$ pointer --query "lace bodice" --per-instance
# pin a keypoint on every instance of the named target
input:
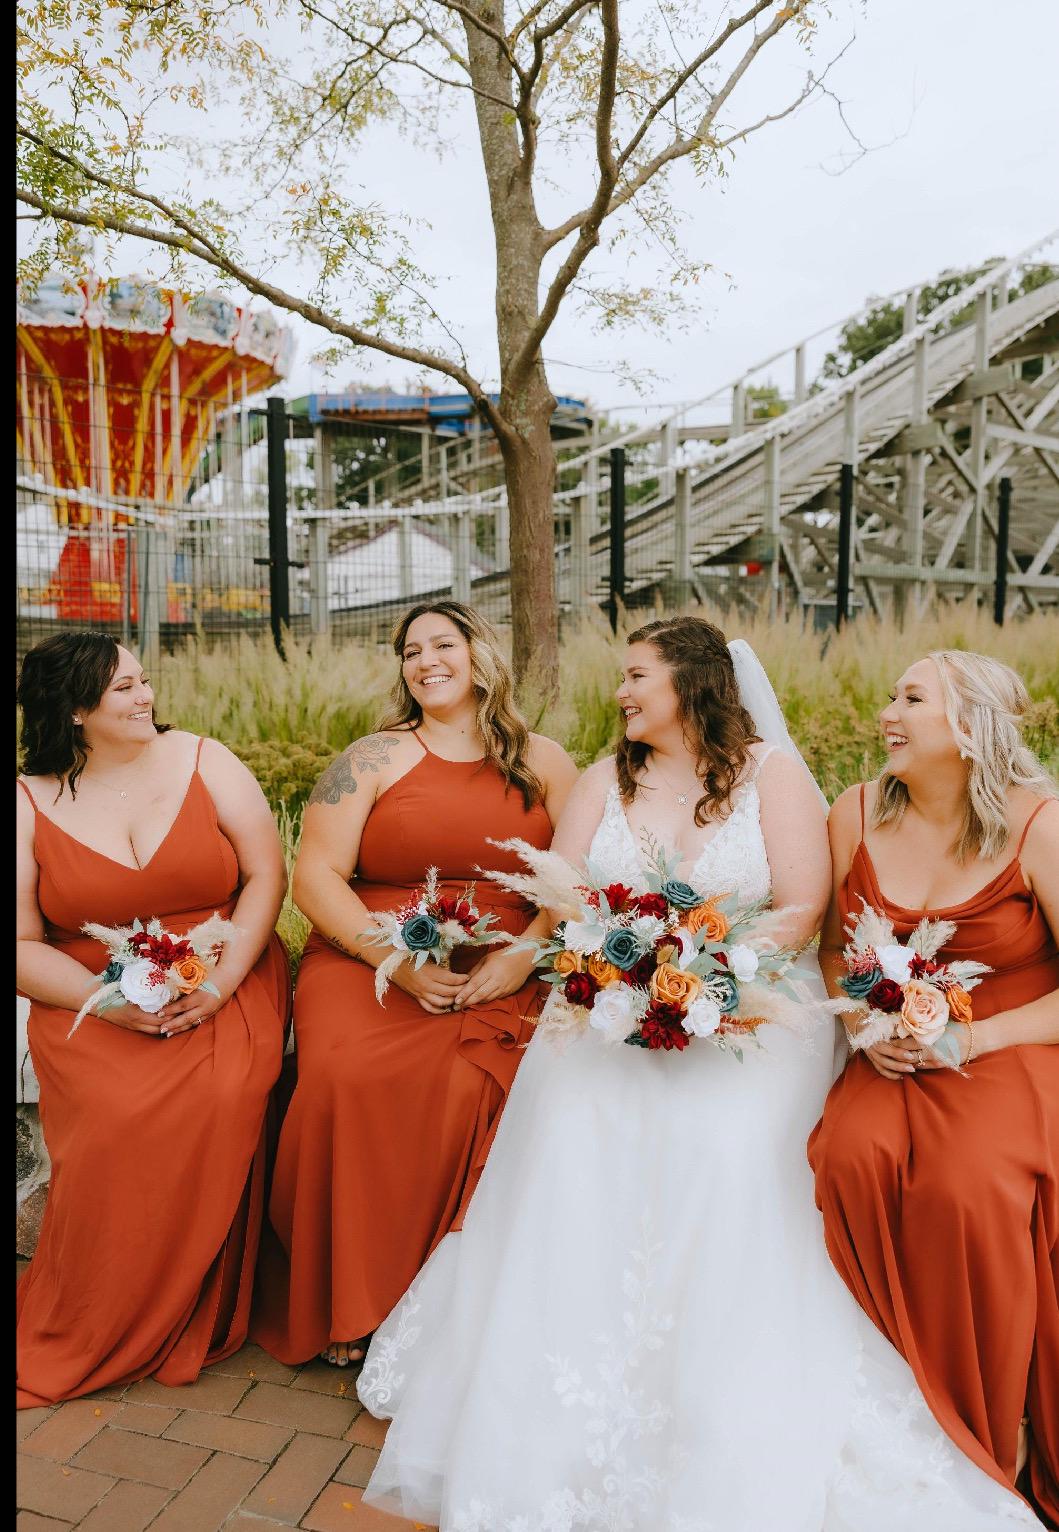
(733, 860)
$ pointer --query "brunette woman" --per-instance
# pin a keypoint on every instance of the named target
(940, 1190)
(396, 1103)
(153, 1121)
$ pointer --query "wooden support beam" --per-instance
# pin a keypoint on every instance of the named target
(1045, 551)
(980, 385)
(929, 574)
(1023, 438)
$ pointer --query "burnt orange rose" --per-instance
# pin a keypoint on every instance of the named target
(704, 917)
(673, 986)
(960, 1005)
(604, 973)
(566, 963)
(188, 974)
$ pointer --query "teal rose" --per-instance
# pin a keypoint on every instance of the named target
(725, 991)
(112, 973)
(420, 933)
(858, 985)
(681, 894)
(622, 949)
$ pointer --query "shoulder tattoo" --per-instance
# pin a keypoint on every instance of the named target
(340, 777)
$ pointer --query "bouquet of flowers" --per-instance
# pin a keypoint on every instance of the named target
(149, 967)
(431, 925)
(655, 969)
(903, 989)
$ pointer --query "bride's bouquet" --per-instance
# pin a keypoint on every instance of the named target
(149, 966)
(430, 925)
(904, 991)
(654, 969)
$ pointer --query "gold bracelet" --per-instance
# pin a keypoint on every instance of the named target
(970, 1042)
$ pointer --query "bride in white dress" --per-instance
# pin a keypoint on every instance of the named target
(638, 1328)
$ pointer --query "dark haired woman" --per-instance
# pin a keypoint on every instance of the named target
(396, 1103)
(153, 1121)
(638, 1325)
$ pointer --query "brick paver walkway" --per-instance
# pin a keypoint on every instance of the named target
(251, 1445)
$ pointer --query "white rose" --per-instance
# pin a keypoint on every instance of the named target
(613, 1013)
(140, 986)
(647, 929)
(584, 935)
(702, 1017)
(742, 961)
(688, 950)
(895, 962)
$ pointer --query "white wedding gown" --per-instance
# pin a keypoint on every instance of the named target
(639, 1329)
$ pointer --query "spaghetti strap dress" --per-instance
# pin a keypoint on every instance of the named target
(395, 1108)
(940, 1193)
(147, 1248)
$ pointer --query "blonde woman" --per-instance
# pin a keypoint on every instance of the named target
(396, 1103)
(940, 1191)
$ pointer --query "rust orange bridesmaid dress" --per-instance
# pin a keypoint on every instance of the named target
(147, 1249)
(395, 1108)
(940, 1194)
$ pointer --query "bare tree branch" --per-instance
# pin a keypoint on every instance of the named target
(197, 245)
(556, 25)
(686, 74)
(684, 144)
(374, 47)
(474, 20)
(608, 175)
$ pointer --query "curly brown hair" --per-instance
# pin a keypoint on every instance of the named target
(717, 727)
(500, 723)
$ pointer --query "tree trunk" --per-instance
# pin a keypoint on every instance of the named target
(526, 403)
(529, 462)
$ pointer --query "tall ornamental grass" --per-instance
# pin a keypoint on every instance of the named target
(286, 719)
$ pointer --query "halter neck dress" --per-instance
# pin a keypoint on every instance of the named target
(147, 1249)
(940, 1192)
(395, 1108)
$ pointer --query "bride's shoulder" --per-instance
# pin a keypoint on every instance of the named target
(601, 776)
(593, 785)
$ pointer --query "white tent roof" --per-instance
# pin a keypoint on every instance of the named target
(371, 571)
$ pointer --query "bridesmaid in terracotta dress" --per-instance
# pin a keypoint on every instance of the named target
(396, 1103)
(940, 1190)
(154, 1123)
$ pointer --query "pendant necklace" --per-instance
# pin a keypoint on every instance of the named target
(682, 798)
(122, 792)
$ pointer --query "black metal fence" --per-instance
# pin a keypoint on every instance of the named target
(257, 520)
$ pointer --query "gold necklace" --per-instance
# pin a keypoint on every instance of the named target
(122, 792)
(682, 798)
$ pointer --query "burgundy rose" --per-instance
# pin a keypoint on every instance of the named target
(451, 908)
(652, 904)
(580, 988)
(162, 950)
(921, 967)
(617, 896)
(887, 995)
(661, 1027)
(640, 973)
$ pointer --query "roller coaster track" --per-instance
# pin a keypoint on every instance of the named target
(929, 426)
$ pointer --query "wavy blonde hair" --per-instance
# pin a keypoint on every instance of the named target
(500, 724)
(985, 702)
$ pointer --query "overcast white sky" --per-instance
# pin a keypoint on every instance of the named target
(960, 95)
(971, 86)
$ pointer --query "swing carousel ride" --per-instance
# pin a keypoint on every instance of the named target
(126, 391)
